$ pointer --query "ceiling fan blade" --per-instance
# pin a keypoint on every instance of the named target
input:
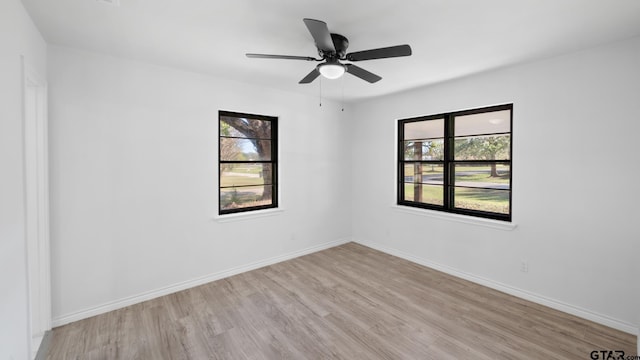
(285, 57)
(321, 34)
(310, 77)
(362, 73)
(382, 53)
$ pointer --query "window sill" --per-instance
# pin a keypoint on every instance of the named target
(249, 215)
(489, 223)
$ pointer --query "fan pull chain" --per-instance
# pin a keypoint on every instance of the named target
(320, 94)
(342, 83)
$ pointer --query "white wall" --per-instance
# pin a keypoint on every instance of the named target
(575, 182)
(18, 37)
(134, 179)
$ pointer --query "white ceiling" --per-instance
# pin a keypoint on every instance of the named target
(450, 38)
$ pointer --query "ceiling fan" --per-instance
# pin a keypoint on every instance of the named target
(332, 48)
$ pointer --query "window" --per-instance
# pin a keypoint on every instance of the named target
(248, 162)
(457, 162)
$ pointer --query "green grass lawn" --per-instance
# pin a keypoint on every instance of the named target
(482, 199)
(236, 186)
(249, 169)
(485, 177)
(227, 180)
(431, 194)
(465, 198)
(242, 197)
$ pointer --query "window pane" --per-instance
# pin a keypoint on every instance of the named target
(245, 127)
(426, 129)
(496, 147)
(427, 194)
(242, 197)
(496, 201)
(494, 176)
(424, 150)
(408, 172)
(232, 149)
(245, 174)
(483, 123)
(432, 173)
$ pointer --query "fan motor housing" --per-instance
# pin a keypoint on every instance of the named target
(341, 44)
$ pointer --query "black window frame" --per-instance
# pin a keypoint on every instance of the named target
(273, 161)
(449, 162)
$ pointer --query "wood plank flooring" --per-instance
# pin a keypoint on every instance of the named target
(347, 302)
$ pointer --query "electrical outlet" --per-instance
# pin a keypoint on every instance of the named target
(524, 266)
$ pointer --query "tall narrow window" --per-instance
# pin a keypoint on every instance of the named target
(248, 162)
(457, 162)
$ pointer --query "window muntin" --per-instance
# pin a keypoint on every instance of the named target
(247, 157)
(457, 162)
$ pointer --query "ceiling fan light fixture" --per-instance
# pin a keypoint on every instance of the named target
(331, 71)
(332, 48)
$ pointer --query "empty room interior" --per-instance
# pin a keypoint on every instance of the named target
(319, 179)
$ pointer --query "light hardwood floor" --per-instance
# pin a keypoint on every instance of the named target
(347, 302)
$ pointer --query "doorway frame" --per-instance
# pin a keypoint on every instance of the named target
(36, 200)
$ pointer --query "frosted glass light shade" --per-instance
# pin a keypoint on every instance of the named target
(331, 71)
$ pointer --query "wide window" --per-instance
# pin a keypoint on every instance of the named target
(457, 162)
(248, 162)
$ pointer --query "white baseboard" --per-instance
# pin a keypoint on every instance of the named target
(131, 300)
(542, 300)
